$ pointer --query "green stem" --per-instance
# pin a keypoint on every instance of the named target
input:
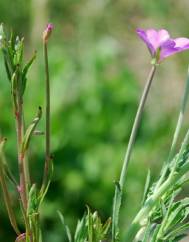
(119, 187)
(135, 126)
(47, 134)
(47, 103)
(23, 169)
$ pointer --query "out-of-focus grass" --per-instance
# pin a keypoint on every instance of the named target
(95, 91)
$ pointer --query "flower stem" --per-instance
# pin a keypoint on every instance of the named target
(136, 125)
(119, 187)
(47, 103)
(47, 134)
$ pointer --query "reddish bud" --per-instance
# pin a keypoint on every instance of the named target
(47, 32)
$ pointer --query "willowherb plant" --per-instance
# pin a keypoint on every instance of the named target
(162, 216)
(30, 194)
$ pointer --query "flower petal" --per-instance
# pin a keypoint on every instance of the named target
(153, 38)
(180, 44)
(163, 36)
(142, 34)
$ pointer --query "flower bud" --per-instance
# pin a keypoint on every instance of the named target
(47, 32)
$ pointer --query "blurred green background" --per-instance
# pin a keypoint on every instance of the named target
(98, 67)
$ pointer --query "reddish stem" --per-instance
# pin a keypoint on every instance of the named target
(19, 127)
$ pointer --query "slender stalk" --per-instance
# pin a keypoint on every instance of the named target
(119, 187)
(23, 187)
(22, 169)
(136, 125)
(47, 134)
(26, 164)
(47, 102)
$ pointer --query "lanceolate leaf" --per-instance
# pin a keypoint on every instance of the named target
(25, 71)
(147, 232)
(47, 181)
(7, 68)
(178, 213)
(33, 202)
(30, 131)
(147, 186)
(8, 63)
(90, 225)
(6, 194)
(116, 208)
(178, 231)
(18, 55)
(66, 228)
(81, 230)
(106, 227)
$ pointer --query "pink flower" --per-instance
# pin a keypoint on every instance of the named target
(160, 44)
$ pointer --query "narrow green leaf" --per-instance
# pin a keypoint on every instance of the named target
(14, 85)
(146, 187)
(147, 232)
(45, 186)
(8, 71)
(178, 212)
(8, 172)
(25, 71)
(90, 225)
(116, 208)
(66, 228)
(81, 230)
(30, 131)
(18, 55)
(33, 203)
(179, 238)
(178, 231)
(155, 232)
(106, 227)
(6, 194)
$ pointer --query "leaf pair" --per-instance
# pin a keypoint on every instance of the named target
(13, 48)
